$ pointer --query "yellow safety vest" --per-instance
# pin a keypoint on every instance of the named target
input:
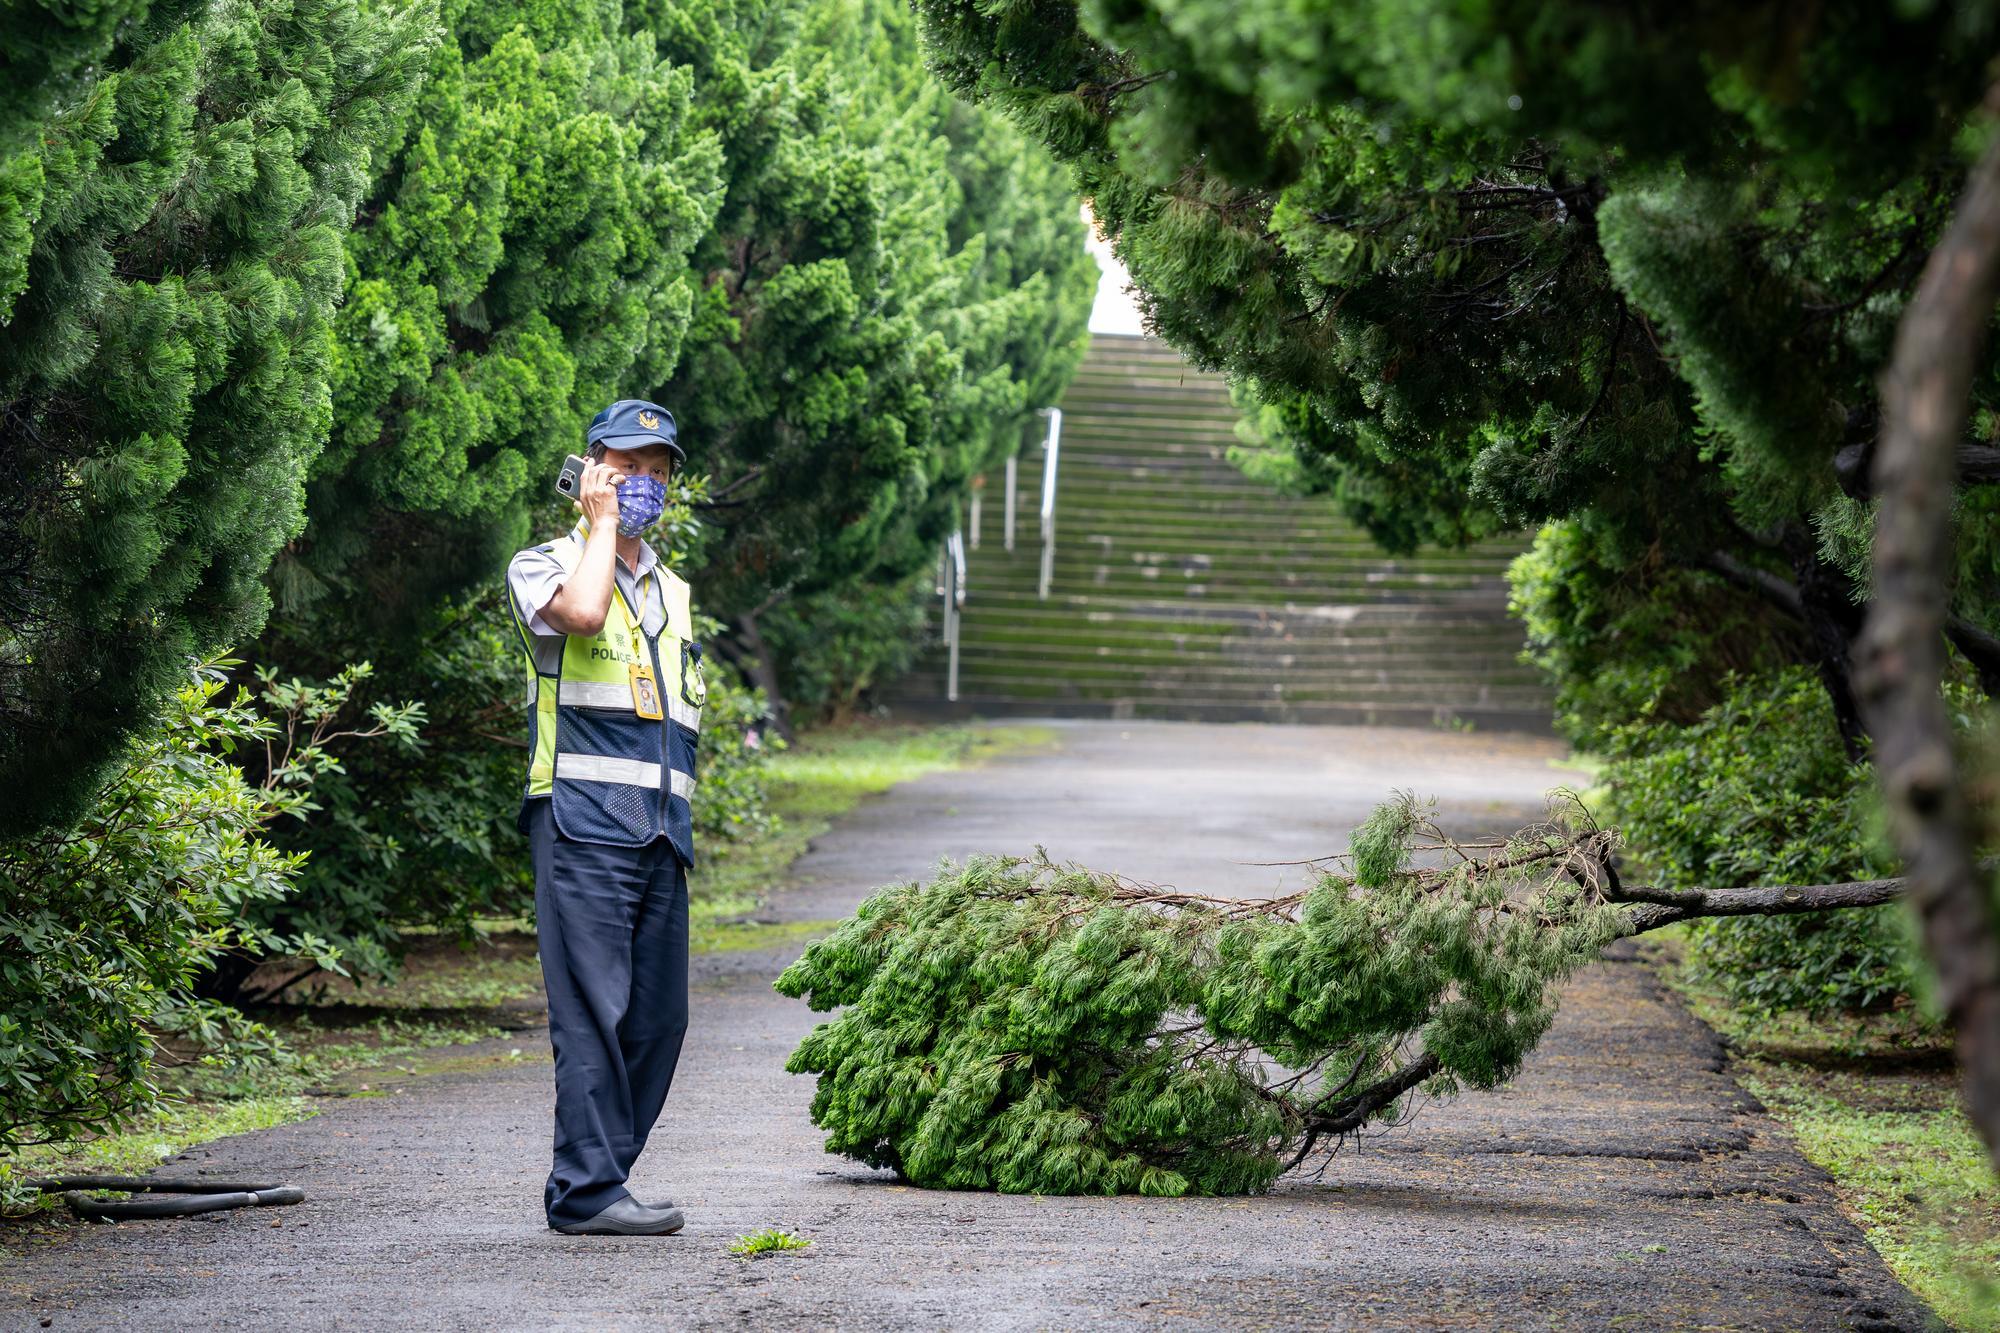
(616, 777)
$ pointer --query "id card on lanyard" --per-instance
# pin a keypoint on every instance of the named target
(645, 686)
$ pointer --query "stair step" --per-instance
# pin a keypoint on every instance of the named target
(1183, 587)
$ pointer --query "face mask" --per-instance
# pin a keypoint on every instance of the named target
(641, 500)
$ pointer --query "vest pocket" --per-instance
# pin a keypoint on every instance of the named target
(608, 785)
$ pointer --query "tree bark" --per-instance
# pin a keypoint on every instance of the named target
(1351, 1113)
(1925, 393)
(1973, 464)
(751, 655)
(1654, 908)
(1834, 622)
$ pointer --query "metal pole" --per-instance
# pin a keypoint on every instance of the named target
(1012, 467)
(1051, 447)
(954, 563)
(972, 536)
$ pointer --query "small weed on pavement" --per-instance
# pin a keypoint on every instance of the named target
(767, 1241)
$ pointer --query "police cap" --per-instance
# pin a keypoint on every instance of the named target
(633, 423)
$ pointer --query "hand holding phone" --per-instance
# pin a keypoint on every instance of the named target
(594, 487)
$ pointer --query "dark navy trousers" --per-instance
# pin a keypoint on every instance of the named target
(613, 923)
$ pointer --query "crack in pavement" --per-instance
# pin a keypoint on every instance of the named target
(1622, 1181)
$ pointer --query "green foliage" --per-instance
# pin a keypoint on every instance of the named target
(1758, 791)
(1628, 271)
(422, 833)
(169, 264)
(107, 926)
(1624, 639)
(768, 1241)
(725, 208)
(832, 647)
(733, 804)
(894, 282)
(520, 261)
(1025, 1026)
(426, 834)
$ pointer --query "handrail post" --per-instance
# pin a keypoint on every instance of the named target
(954, 598)
(1051, 448)
(1012, 468)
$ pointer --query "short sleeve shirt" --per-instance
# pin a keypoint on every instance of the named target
(534, 576)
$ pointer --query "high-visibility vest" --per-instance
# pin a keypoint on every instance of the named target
(614, 777)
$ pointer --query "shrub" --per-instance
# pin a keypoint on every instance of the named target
(1758, 791)
(832, 647)
(105, 927)
(425, 834)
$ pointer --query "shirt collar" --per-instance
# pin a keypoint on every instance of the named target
(647, 556)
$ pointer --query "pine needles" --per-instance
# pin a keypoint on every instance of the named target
(1025, 1025)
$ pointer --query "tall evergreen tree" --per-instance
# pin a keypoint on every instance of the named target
(520, 261)
(164, 362)
(894, 283)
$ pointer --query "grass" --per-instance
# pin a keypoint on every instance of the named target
(351, 1040)
(825, 775)
(165, 1134)
(1873, 1100)
(767, 1241)
(1911, 1171)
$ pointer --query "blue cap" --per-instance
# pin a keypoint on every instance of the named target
(632, 423)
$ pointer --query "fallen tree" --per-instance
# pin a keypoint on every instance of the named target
(1028, 1026)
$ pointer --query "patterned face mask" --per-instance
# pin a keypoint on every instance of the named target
(641, 500)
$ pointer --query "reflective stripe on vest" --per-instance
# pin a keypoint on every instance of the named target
(614, 777)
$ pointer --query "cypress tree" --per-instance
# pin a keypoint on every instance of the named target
(894, 282)
(519, 261)
(164, 361)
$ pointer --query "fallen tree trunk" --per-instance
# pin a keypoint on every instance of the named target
(1021, 1025)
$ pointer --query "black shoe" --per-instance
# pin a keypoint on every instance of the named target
(627, 1217)
(664, 1205)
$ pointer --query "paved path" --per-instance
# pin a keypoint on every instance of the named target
(1624, 1181)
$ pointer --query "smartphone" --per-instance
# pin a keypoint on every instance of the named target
(570, 480)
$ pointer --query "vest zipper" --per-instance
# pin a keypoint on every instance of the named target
(652, 642)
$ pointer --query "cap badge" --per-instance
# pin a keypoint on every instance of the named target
(649, 420)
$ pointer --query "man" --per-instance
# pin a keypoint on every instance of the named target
(615, 680)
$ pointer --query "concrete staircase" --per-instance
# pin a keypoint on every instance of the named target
(1182, 589)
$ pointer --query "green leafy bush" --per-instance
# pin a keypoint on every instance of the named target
(1759, 791)
(421, 833)
(1023, 1026)
(831, 648)
(106, 927)
(1622, 640)
(425, 834)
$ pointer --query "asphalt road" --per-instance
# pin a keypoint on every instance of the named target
(1623, 1181)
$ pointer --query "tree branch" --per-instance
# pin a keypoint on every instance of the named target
(1781, 593)
(1900, 657)
(1351, 1113)
(1980, 648)
(1974, 463)
(1662, 907)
